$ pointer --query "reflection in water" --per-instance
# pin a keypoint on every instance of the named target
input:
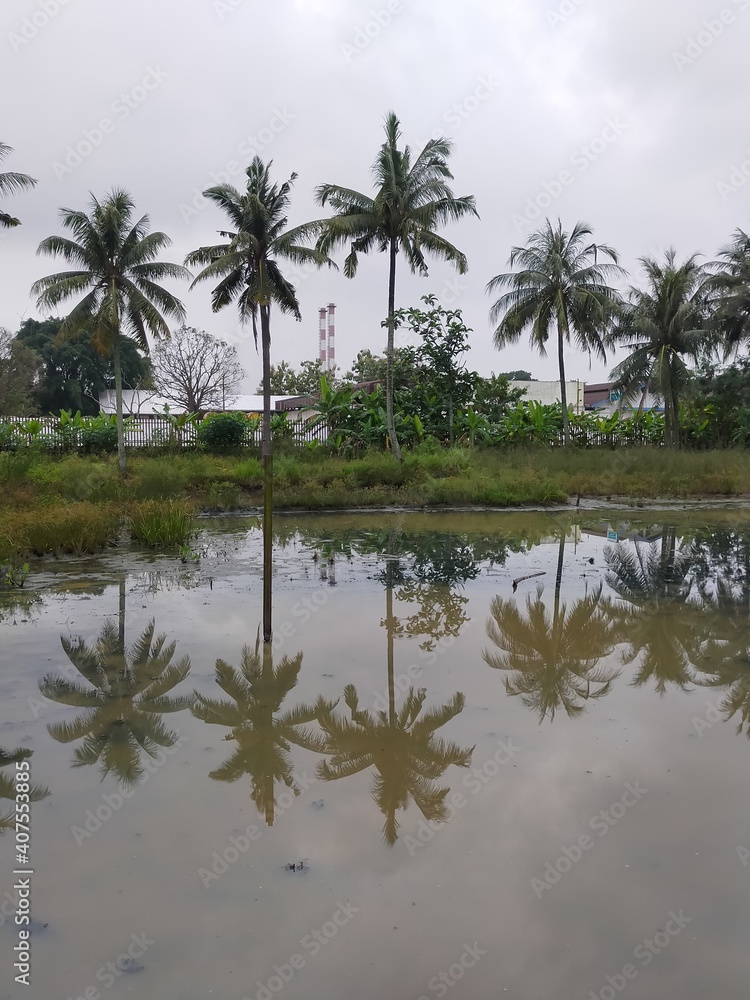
(725, 655)
(402, 747)
(660, 621)
(124, 696)
(256, 693)
(555, 661)
(9, 790)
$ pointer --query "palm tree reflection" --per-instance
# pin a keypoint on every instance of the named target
(402, 747)
(8, 789)
(252, 713)
(554, 660)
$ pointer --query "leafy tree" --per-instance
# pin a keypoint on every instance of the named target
(75, 373)
(125, 695)
(10, 183)
(716, 411)
(115, 268)
(560, 285)
(661, 326)
(247, 266)
(444, 339)
(493, 396)
(518, 376)
(370, 367)
(285, 381)
(412, 199)
(195, 371)
(21, 373)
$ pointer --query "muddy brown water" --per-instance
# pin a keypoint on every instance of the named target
(491, 755)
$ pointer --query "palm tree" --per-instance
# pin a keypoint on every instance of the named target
(253, 716)
(402, 747)
(248, 268)
(412, 198)
(660, 624)
(10, 183)
(9, 791)
(661, 326)
(732, 284)
(555, 661)
(125, 695)
(115, 266)
(561, 284)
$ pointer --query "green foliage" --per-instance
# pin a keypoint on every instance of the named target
(74, 373)
(162, 524)
(99, 435)
(223, 432)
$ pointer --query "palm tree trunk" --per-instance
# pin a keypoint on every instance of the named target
(121, 461)
(269, 795)
(563, 391)
(395, 447)
(389, 630)
(558, 577)
(676, 414)
(121, 619)
(267, 461)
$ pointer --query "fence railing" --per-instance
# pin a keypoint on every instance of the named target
(146, 431)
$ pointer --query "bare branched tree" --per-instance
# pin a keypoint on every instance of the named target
(196, 371)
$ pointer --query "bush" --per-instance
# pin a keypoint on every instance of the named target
(99, 438)
(223, 432)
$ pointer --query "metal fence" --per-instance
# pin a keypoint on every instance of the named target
(149, 431)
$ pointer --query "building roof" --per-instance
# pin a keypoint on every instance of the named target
(143, 402)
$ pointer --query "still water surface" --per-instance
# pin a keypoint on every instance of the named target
(492, 755)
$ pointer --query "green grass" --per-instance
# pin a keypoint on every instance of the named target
(75, 504)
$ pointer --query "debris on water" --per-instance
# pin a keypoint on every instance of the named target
(296, 866)
(318, 804)
(37, 927)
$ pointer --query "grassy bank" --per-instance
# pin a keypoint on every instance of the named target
(78, 504)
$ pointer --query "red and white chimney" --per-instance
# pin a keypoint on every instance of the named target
(323, 335)
(331, 336)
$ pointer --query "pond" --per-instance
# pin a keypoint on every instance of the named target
(491, 755)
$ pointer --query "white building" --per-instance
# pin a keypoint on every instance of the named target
(549, 392)
(146, 403)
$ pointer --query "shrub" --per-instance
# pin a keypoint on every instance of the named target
(223, 432)
(99, 438)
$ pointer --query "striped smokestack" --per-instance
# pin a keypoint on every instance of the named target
(323, 348)
(331, 337)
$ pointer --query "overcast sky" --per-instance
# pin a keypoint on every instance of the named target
(629, 114)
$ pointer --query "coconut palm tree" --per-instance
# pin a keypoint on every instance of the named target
(125, 696)
(253, 716)
(554, 660)
(10, 183)
(248, 271)
(561, 285)
(732, 287)
(662, 627)
(411, 200)
(661, 326)
(115, 268)
(402, 747)
(9, 791)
